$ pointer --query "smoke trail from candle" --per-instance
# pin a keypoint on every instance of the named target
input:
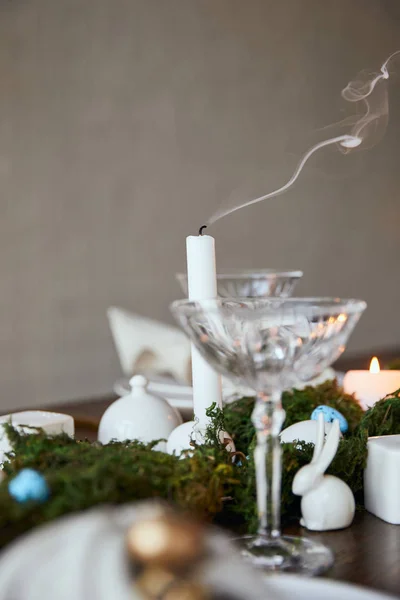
(365, 128)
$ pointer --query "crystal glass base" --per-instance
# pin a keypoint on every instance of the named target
(287, 553)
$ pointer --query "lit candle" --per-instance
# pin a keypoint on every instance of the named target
(202, 285)
(373, 385)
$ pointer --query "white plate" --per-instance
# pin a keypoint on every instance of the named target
(179, 396)
(53, 423)
(294, 587)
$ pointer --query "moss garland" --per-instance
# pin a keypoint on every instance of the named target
(384, 417)
(298, 405)
(81, 474)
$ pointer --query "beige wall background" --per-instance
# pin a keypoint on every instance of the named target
(125, 123)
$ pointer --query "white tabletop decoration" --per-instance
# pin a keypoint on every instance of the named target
(382, 478)
(303, 431)
(139, 416)
(327, 502)
(207, 390)
(373, 385)
(26, 421)
(202, 285)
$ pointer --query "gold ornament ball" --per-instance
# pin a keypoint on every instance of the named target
(154, 581)
(186, 590)
(166, 541)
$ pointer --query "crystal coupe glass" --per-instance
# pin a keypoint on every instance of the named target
(248, 283)
(267, 344)
(251, 283)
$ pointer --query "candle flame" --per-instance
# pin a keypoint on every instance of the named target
(374, 367)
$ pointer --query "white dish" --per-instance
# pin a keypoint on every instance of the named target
(159, 385)
(139, 416)
(295, 587)
(51, 422)
(180, 396)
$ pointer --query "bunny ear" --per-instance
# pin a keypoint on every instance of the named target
(329, 450)
(320, 437)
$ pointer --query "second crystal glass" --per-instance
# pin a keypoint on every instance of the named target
(251, 283)
(267, 344)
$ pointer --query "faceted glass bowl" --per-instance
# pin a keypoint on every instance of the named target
(251, 283)
(267, 344)
(231, 332)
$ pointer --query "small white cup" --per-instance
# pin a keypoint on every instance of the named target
(52, 423)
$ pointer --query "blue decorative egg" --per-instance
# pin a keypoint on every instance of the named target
(330, 414)
(29, 485)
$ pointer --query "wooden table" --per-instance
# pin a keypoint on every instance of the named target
(367, 553)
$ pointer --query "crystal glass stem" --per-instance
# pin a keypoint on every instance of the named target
(268, 417)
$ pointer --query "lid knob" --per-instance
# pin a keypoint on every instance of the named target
(138, 384)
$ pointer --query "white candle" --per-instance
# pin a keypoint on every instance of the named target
(201, 269)
(202, 285)
(373, 385)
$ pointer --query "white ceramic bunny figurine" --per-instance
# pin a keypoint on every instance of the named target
(327, 502)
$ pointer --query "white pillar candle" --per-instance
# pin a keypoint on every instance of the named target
(202, 285)
(373, 385)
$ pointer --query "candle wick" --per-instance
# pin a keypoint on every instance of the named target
(201, 229)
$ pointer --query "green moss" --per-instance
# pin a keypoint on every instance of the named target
(394, 365)
(298, 405)
(81, 474)
(384, 417)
